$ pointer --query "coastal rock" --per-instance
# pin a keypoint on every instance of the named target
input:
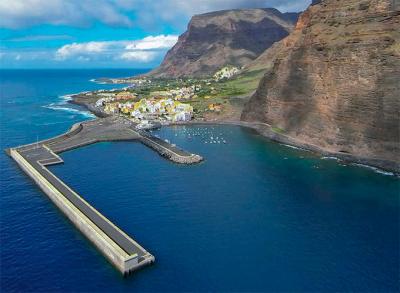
(334, 82)
(229, 37)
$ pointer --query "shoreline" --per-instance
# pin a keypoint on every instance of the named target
(263, 129)
(88, 106)
(266, 131)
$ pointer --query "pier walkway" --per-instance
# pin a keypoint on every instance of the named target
(124, 252)
(41, 156)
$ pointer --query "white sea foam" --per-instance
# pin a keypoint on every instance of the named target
(60, 107)
(68, 97)
(377, 170)
(330, 158)
(97, 81)
(293, 147)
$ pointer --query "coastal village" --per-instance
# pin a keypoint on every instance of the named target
(162, 107)
(164, 101)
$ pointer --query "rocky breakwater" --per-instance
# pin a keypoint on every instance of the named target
(167, 150)
(88, 100)
(334, 82)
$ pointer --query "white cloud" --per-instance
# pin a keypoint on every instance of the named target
(141, 56)
(79, 49)
(26, 13)
(157, 42)
(144, 50)
(178, 12)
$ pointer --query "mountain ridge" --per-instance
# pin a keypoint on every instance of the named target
(226, 37)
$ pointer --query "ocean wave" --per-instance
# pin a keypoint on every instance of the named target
(97, 81)
(66, 98)
(294, 147)
(330, 158)
(375, 169)
(58, 107)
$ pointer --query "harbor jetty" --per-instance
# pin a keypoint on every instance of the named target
(121, 250)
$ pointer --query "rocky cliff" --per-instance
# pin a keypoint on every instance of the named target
(232, 37)
(334, 82)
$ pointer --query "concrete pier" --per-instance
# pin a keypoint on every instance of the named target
(120, 249)
(167, 150)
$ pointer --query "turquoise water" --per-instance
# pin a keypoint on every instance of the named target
(254, 216)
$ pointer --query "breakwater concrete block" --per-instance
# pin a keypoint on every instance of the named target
(123, 261)
(167, 151)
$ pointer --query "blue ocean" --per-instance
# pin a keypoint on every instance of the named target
(254, 216)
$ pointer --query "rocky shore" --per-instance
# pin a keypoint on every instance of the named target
(88, 103)
(268, 132)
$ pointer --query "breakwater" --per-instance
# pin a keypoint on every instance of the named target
(167, 150)
(120, 249)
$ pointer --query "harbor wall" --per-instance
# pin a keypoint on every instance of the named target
(76, 128)
(170, 155)
(119, 258)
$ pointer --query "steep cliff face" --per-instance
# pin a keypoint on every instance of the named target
(215, 39)
(335, 81)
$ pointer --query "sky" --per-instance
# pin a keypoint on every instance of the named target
(103, 33)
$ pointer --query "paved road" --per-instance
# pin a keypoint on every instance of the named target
(109, 129)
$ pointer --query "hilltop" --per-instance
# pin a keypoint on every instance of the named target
(229, 37)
